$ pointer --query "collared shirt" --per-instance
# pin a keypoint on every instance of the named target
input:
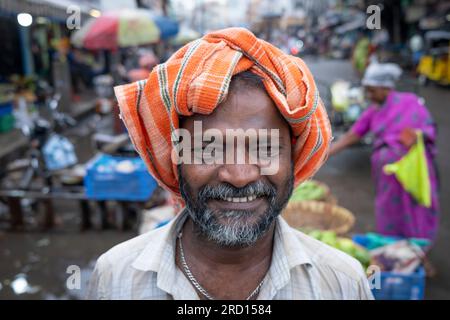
(301, 268)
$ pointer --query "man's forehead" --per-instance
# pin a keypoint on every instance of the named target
(245, 109)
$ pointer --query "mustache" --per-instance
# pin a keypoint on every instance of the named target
(225, 190)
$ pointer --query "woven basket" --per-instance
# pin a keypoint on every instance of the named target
(331, 199)
(318, 215)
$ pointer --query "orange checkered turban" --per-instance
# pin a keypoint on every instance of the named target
(196, 80)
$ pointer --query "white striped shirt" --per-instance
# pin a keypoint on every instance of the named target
(301, 268)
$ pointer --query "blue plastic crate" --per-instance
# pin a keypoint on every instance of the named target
(104, 182)
(6, 108)
(396, 286)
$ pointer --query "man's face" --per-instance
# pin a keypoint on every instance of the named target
(234, 204)
(376, 94)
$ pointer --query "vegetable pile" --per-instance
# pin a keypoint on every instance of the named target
(344, 244)
(309, 190)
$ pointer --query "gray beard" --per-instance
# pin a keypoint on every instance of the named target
(236, 232)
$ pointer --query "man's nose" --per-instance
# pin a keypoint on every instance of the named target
(239, 175)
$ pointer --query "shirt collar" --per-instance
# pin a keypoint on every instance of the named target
(159, 254)
(288, 253)
(163, 240)
(296, 252)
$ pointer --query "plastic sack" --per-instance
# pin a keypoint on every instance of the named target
(412, 172)
(339, 95)
(59, 153)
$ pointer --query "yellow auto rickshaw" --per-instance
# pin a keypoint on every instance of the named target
(434, 65)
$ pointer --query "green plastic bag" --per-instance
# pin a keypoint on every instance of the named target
(412, 172)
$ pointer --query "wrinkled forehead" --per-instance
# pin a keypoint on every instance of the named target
(248, 108)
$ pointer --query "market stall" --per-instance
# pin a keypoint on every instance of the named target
(394, 265)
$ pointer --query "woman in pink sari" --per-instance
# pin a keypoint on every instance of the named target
(393, 118)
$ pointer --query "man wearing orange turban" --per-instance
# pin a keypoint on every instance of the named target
(228, 242)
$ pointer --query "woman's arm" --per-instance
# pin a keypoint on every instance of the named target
(345, 141)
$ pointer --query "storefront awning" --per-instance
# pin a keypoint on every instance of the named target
(53, 10)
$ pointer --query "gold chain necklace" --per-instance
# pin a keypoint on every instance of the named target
(194, 281)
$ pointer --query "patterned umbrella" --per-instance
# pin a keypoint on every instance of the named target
(114, 29)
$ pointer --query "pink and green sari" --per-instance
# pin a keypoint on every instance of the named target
(397, 213)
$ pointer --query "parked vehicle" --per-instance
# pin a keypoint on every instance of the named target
(50, 169)
(434, 65)
(49, 152)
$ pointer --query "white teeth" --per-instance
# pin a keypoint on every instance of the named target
(241, 199)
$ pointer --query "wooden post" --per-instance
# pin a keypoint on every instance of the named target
(15, 209)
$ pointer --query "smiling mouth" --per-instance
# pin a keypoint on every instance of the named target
(239, 199)
(252, 202)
